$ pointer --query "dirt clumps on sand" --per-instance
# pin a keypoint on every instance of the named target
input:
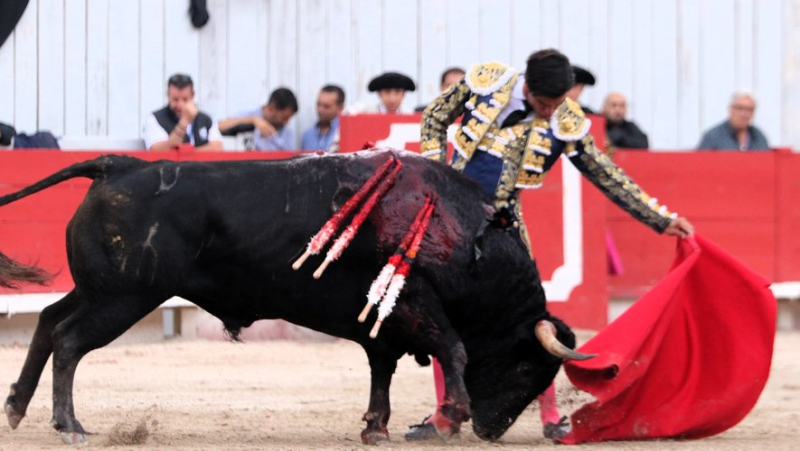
(121, 433)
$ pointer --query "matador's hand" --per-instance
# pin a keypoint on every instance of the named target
(680, 227)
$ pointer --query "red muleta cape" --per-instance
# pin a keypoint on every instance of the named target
(688, 360)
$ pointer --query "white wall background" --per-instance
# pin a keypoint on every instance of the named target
(96, 67)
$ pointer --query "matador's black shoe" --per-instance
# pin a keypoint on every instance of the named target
(558, 430)
(422, 431)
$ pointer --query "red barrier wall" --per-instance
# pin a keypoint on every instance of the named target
(745, 202)
(33, 229)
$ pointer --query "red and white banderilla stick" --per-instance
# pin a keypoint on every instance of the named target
(378, 288)
(326, 232)
(350, 232)
(399, 278)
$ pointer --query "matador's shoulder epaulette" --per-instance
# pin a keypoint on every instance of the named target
(569, 123)
(486, 78)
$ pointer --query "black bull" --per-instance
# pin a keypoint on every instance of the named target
(224, 235)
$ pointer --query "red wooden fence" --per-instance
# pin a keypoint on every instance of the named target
(746, 202)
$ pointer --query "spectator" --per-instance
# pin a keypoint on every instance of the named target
(324, 135)
(180, 122)
(7, 134)
(620, 132)
(449, 77)
(9, 138)
(268, 122)
(583, 78)
(737, 132)
(391, 88)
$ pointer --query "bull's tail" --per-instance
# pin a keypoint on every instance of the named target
(12, 272)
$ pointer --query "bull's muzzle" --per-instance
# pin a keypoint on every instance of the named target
(546, 334)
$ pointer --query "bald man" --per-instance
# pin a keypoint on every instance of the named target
(738, 131)
(621, 132)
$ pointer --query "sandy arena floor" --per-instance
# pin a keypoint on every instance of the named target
(289, 395)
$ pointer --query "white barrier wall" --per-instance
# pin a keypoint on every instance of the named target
(96, 67)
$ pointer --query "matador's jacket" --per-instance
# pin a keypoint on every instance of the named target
(505, 160)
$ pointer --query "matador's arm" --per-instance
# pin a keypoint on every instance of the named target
(438, 115)
(616, 185)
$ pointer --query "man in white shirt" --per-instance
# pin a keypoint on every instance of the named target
(180, 122)
(268, 123)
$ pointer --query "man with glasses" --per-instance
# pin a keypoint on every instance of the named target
(180, 122)
(737, 132)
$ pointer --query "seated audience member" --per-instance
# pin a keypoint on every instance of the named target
(737, 132)
(180, 122)
(324, 135)
(268, 122)
(449, 77)
(10, 139)
(583, 78)
(620, 132)
(7, 134)
(391, 88)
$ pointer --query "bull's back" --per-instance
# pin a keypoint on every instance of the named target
(224, 234)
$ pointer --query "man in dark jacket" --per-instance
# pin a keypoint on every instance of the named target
(180, 122)
(7, 133)
(619, 131)
(738, 132)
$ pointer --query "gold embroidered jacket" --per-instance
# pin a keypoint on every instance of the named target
(506, 160)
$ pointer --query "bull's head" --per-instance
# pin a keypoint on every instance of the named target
(502, 384)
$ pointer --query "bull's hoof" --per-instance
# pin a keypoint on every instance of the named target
(13, 416)
(373, 437)
(72, 438)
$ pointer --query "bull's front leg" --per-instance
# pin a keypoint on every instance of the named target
(382, 368)
(454, 408)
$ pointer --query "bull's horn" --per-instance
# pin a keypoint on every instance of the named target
(546, 333)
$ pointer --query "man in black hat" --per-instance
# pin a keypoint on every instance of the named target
(391, 88)
(180, 122)
(583, 78)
